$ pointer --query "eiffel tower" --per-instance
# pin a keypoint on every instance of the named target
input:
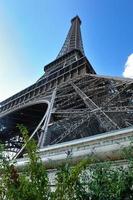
(70, 101)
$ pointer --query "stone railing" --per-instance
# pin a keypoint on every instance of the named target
(104, 146)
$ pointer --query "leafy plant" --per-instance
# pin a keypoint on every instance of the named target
(89, 179)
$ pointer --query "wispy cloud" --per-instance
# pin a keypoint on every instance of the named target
(128, 71)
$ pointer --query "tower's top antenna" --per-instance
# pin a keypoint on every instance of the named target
(73, 39)
(76, 18)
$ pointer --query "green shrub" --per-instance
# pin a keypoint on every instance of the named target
(90, 179)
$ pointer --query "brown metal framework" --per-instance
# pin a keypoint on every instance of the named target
(69, 101)
(73, 39)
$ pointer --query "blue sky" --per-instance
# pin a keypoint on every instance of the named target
(33, 31)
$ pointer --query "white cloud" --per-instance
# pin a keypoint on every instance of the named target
(128, 71)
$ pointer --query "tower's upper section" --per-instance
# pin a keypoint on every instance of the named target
(73, 39)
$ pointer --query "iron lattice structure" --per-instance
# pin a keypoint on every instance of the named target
(68, 102)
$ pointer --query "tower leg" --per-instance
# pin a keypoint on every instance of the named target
(47, 120)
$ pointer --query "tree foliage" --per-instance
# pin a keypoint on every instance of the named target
(90, 179)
